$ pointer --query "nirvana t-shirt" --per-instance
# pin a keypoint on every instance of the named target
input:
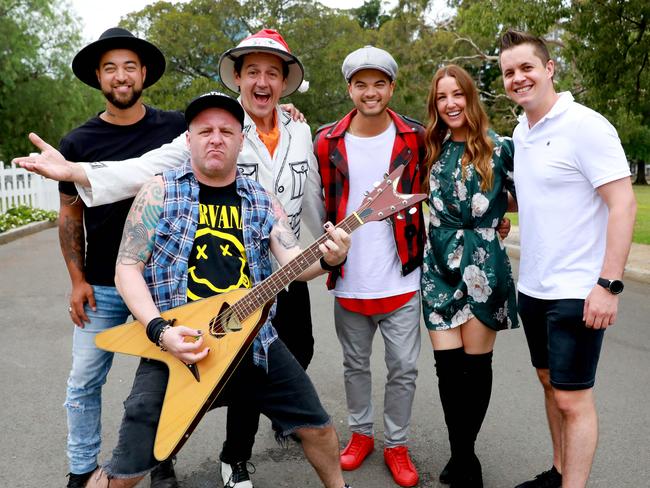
(97, 140)
(218, 261)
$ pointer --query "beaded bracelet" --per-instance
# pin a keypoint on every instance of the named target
(160, 337)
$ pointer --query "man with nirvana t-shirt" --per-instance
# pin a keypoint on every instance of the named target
(121, 66)
(202, 217)
(379, 285)
(277, 152)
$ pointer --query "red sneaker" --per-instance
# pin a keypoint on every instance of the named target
(401, 467)
(356, 451)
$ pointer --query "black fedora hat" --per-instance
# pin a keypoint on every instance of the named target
(86, 61)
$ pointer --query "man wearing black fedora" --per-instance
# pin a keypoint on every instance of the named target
(277, 152)
(121, 66)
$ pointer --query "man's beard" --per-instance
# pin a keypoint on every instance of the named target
(123, 104)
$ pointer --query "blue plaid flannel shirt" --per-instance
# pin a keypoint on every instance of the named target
(166, 270)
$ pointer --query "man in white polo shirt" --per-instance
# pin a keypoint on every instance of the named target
(576, 214)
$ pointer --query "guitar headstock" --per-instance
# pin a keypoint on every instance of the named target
(384, 200)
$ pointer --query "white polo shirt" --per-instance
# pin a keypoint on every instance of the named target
(559, 164)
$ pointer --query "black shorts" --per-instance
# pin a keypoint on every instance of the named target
(285, 394)
(559, 341)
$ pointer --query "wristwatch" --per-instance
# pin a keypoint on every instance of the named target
(613, 286)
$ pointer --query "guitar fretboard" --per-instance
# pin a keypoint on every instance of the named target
(270, 287)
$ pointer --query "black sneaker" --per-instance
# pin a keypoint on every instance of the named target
(547, 479)
(236, 475)
(163, 475)
(78, 480)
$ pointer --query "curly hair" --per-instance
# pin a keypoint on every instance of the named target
(478, 146)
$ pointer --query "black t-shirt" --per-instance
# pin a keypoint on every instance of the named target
(97, 140)
(218, 261)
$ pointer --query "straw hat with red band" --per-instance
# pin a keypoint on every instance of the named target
(264, 41)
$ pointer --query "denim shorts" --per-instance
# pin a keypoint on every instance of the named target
(559, 341)
(285, 394)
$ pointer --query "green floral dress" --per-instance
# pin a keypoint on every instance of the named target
(466, 272)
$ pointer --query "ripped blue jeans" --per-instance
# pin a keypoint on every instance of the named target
(90, 367)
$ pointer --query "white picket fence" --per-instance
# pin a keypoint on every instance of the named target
(20, 187)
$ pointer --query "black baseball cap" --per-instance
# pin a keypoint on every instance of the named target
(214, 99)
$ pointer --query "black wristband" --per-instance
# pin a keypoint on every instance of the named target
(154, 328)
(328, 267)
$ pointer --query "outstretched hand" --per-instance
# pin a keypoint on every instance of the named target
(51, 163)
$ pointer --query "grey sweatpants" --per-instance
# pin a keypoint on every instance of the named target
(401, 332)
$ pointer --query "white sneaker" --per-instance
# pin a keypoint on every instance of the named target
(236, 475)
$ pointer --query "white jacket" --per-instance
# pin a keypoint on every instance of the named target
(291, 174)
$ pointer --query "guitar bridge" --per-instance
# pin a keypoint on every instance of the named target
(224, 322)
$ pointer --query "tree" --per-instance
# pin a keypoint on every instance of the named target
(38, 91)
(614, 62)
(601, 49)
(369, 15)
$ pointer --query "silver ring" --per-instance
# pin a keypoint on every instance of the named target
(69, 309)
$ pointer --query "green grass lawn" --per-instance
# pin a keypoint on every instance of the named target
(642, 226)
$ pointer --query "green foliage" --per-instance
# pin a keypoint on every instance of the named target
(601, 48)
(614, 65)
(19, 216)
(369, 15)
(38, 91)
(642, 225)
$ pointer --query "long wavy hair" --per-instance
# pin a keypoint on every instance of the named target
(478, 146)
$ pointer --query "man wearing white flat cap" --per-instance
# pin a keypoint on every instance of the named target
(379, 287)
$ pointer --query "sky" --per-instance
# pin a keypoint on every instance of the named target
(96, 16)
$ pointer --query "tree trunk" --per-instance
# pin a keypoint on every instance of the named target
(640, 173)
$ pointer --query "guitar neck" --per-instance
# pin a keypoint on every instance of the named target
(266, 291)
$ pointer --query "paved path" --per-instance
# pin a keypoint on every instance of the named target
(35, 359)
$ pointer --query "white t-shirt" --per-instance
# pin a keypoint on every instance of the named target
(373, 268)
(559, 164)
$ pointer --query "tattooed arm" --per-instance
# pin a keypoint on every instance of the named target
(285, 247)
(73, 248)
(135, 250)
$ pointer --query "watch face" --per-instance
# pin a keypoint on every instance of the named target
(616, 286)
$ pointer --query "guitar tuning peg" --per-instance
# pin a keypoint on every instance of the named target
(366, 193)
(400, 216)
(413, 210)
(386, 175)
(376, 184)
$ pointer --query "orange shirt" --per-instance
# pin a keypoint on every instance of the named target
(270, 139)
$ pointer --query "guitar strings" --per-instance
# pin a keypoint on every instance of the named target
(246, 305)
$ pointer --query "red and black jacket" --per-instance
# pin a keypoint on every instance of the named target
(408, 150)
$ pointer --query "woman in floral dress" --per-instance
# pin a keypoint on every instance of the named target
(468, 292)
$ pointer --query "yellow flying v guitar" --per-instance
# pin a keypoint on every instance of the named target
(233, 320)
